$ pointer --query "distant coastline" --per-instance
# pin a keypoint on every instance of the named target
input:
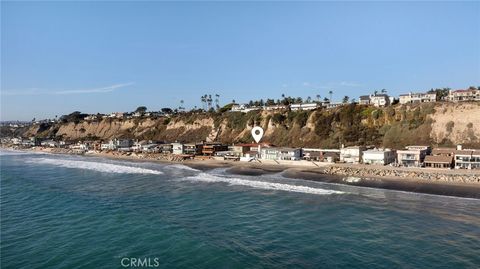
(459, 183)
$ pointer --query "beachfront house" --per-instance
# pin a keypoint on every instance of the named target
(412, 156)
(118, 144)
(239, 149)
(321, 155)
(464, 95)
(177, 148)
(166, 148)
(209, 149)
(192, 148)
(440, 158)
(274, 153)
(351, 154)
(379, 156)
(411, 98)
(467, 158)
(438, 161)
(50, 143)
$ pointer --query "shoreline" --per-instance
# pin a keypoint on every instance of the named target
(346, 174)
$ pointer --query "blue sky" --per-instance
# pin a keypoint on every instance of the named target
(58, 57)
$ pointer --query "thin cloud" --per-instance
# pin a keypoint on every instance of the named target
(36, 91)
(96, 90)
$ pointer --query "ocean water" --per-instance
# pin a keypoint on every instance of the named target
(87, 212)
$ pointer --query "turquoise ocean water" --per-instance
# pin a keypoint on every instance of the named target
(86, 212)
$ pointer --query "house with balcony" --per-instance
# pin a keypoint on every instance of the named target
(304, 106)
(467, 158)
(413, 156)
(352, 154)
(464, 95)
(321, 155)
(177, 148)
(379, 156)
(412, 98)
(277, 154)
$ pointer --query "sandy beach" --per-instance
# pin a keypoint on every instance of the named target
(404, 183)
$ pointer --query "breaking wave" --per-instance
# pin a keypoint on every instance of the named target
(182, 167)
(95, 166)
(204, 177)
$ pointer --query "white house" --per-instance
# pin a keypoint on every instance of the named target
(379, 100)
(304, 106)
(379, 156)
(413, 156)
(275, 107)
(351, 154)
(177, 148)
(418, 98)
(273, 153)
(244, 108)
(464, 95)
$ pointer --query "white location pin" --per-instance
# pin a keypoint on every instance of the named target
(257, 133)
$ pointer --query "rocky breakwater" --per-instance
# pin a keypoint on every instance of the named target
(456, 176)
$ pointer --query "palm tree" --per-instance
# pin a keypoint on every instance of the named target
(217, 100)
(233, 101)
(375, 93)
(384, 91)
(204, 100)
(309, 99)
(331, 94)
(181, 105)
(345, 99)
(209, 101)
(318, 97)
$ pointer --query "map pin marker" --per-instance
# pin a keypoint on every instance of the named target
(257, 133)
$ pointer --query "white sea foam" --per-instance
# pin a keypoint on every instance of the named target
(95, 166)
(182, 167)
(204, 177)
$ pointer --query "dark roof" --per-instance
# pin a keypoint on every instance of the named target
(364, 97)
(439, 151)
(438, 159)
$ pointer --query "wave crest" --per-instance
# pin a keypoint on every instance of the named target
(204, 177)
(96, 166)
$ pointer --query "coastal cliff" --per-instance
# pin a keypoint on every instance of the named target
(444, 124)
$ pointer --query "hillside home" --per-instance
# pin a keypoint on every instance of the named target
(379, 100)
(275, 107)
(412, 156)
(364, 100)
(304, 106)
(418, 98)
(464, 95)
(379, 156)
(244, 108)
(352, 154)
(321, 155)
(273, 153)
